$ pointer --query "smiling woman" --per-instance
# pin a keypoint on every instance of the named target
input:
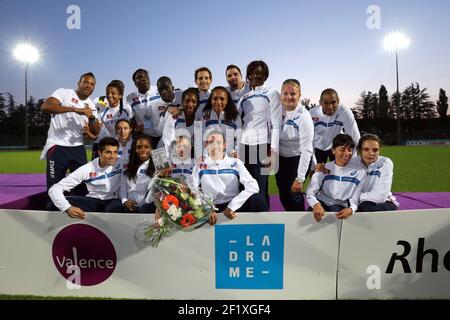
(220, 113)
(339, 190)
(296, 147)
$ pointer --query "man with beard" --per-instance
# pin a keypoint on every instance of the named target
(236, 86)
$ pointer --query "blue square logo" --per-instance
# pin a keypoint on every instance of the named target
(249, 256)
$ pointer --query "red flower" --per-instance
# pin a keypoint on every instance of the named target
(184, 206)
(187, 220)
(169, 200)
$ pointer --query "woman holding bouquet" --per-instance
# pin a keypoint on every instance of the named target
(136, 180)
(221, 176)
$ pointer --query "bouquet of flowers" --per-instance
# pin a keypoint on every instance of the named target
(180, 207)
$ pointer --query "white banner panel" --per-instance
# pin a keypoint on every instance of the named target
(401, 255)
(256, 256)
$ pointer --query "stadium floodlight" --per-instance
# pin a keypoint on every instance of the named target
(393, 42)
(27, 54)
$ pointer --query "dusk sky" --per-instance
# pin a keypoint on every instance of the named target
(321, 43)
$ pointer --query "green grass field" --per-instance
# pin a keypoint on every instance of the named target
(420, 168)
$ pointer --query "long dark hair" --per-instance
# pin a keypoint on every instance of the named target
(230, 110)
(134, 162)
(120, 87)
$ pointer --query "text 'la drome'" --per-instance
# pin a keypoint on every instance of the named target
(234, 272)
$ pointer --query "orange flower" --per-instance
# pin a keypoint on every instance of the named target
(169, 200)
(187, 220)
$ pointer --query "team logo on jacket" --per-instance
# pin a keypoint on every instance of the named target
(92, 174)
(74, 100)
(109, 116)
(203, 166)
(234, 164)
(353, 172)
(380, 166)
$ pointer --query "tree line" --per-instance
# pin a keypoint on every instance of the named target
(412, 103)
(12, 121)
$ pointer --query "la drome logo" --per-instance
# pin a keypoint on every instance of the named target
(83, 255)
(249, 256)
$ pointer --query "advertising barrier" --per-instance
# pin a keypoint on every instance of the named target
(277, 255)
(402, 255)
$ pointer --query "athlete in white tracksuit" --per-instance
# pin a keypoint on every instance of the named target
(136, 190)
(156, 113)
(220, 114)
(376, 194)
(221, 176)
(330, 118)
(296, 151)
(340, 188)
(102, 177)
(260, 110)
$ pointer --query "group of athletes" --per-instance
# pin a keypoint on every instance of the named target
(226, 140)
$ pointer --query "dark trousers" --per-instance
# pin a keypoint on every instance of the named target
(323, 156)
(255, 160)
(253, 204)
(155, 141)
(94, 151)
(368, 206)
(145, 208)
(59, 160)
(287, 172)
(89, 204)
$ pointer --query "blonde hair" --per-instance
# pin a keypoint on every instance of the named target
(292, 82)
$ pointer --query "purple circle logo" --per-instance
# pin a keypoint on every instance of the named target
(84, 255)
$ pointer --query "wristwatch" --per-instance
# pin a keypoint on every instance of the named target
(299, 180)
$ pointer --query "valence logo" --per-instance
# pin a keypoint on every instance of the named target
(83, 255)
(249, 256)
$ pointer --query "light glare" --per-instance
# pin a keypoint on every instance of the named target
(396, 40)
(26, 53)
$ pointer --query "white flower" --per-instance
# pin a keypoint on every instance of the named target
(198, 201)
(174, 212)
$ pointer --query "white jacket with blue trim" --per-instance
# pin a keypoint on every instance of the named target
(102, 183)
(296, 137)
(260, 110)
(342, 186)
(327, 127)
(221, 178)
(231, 129)
(377, 187)
(136, 189)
